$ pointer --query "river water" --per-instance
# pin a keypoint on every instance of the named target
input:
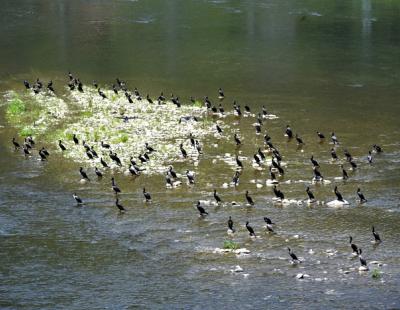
(317, 65)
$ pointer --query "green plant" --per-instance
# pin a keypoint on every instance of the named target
(376, 274)
(16, 107)
(231, 245)
(198, 103)
(26, 131)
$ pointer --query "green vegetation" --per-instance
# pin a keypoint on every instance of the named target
(198, 103)
(27, 131)
(231, 245)
(15, 108)
(376, 274)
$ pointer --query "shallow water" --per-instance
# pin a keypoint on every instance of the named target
(316, 65)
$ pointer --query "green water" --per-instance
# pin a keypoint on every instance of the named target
(317, 65)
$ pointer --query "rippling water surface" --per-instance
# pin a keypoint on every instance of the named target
(316, 65)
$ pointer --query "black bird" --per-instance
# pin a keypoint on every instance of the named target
(62, 147)
(377, 148)
(39, 84)
(352, 163)
(129, 97)
(89, 155)
(114, 186)
(221, 109)
(161, 97)
(299, 140)
(363, 261)
(15, 143)
(105, 145)
(235, 180)
(247, 108)
(289, 132)
(26, 151)
(353, 246)
(80, 86)
(257, 159)
(119, 206)
(237, 110)
(261, 154)
(115, 158)
(103, 163)
(149, 99)
(219, 129)
(277, 166)
(98, 172)
(333, 154)
(94, 153)
(344, 173)
(172, 173)
(221, 93)
(83, 174)
(237, 140)
(376, 235)
(201, 209)
(149, 148)
(207, 102)
(192, 140)
(102, 94)
(26, 83)
(42, 155)
(30, 140)
(268, 220)
(258, 129)
(146, 195)
(190, 176)
(44, 151)
(27, 144)
(115, 89)
(338, 194)
(334, 139)
(216, 197)
(278, 193)
(347, 154)
(293, 256)
(320, 135)
(76, 141)
(50, 86)
(369, 157)
(264, 111)
(142, 159)
(230, 225)
(249, 199)
(250, 229)
(239, 162)
(310, 194)
(133, 170)
(361, 196)
(77, 199)
(146, 156)
(183, 151)
(313, 161)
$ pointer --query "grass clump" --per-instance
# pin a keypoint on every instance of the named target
(123, 138)
(376, 274)
(15, 108)
(27, 131)
(231, 245)
(198, 104)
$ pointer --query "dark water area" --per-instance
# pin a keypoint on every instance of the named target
(317, 65)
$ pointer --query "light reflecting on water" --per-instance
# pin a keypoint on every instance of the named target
(317, 65)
